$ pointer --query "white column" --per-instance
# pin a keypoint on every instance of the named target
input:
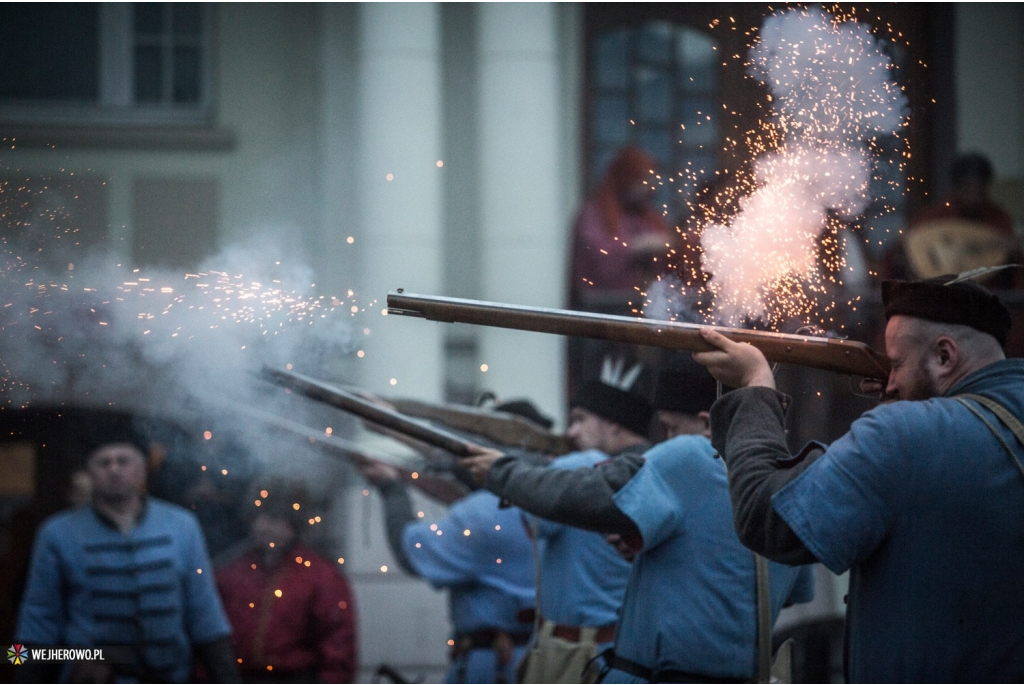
(398, 183)
(333, 258)
(523, 195)
(397, 244)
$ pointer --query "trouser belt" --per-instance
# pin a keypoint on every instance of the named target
(613, 661)
(528, 615)
(502, 642)
(486, 638)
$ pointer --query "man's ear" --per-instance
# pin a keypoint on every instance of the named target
(705, 420)
(947, 354)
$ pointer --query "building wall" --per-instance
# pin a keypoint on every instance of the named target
(267, 92)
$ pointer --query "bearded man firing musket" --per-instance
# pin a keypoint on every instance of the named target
(922, 500)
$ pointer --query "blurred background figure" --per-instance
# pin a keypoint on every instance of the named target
(291, 609)
(618, 238)
(488, 571)
(965, 230)
(125, 571)
(214, 501)
(618, 233)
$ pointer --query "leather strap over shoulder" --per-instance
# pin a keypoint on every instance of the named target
(764, 619)
(1004, 416)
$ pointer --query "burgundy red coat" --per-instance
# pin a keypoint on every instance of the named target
(297, 617)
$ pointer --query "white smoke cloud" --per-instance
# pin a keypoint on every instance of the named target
(79, 328)
(832, 93)
(668, 299)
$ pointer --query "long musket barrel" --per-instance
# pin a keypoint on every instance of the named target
(508, 430)
(329, 443)
(830, 354)
(336, 397)
(445, 489)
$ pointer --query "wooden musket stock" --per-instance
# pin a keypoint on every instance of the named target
(505, 429)
(830, 354)
(346, 401)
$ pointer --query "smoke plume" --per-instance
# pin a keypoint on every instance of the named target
(832, 96)
(80, 328)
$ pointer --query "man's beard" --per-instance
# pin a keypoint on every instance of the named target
(115, 496)
(924, 387)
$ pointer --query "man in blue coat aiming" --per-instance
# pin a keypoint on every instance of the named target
(922, 500)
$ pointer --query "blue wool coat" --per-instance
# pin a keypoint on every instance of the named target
(152, 588)
(488, 573)
(925, 507)
(691, 604)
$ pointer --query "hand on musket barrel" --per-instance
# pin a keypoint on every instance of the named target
(480, 461)
(741, 365)
(736, 364)
(828, 353)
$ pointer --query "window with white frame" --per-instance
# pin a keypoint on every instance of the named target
(105, 63)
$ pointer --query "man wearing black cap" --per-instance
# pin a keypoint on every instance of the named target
(582, 579)
(923, 500)
(689, 610)
(682, 397)
(606, 418)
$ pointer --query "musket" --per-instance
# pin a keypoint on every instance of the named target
(508, 430)
(346, 401)
(830, 354)
(446, 490)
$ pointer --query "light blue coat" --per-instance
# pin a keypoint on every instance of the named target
(489, 575)
(91, 585)
(926, 508)
(690, 605)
